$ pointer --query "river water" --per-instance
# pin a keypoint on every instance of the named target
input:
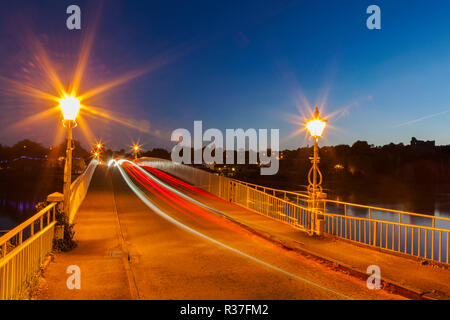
(430, 200)
(15, 211)
(20, 194)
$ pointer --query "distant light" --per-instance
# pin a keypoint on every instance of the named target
(70, 107)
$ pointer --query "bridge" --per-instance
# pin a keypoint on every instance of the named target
(154, 229)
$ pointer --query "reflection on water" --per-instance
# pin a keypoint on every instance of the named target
(21, 191)
(428, 200)
(14, 212)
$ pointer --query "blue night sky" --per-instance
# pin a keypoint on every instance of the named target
(236, 64)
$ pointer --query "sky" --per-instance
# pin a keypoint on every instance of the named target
(231, 64)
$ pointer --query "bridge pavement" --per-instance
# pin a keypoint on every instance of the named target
(127, 251)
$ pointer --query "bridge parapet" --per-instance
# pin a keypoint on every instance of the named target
(22, 251)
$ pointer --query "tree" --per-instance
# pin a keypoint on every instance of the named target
(28, 148)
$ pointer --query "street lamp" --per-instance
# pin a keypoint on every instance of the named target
(97, 150)
(315, 127)
(136, 151)
(70, 106)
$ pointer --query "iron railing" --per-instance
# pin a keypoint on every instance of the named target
(22, 251)
(419, 235)
(300, 198)
(270, 205)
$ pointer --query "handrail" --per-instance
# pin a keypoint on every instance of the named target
(275, 197)
(271, 189)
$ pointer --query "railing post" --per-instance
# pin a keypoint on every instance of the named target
(374, 238)
(247, 196)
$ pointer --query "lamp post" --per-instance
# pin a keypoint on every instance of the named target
(69, 107)
(136, 151)
(315, 127)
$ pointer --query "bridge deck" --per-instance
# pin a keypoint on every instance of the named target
(126, 250)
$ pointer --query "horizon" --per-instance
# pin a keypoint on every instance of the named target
(246, 149)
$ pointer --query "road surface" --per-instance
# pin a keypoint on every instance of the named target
(169, 247)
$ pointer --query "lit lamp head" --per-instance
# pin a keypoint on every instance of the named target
(316, 125)
(136, 148)
(70, 107)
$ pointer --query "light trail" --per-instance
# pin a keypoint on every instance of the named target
(185, 204)
(177, 203)
(178, 182)
(180, 193)
(165, 216)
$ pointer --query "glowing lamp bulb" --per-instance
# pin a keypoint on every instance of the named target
(70, 107)
(316, 126)
(136, 148)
